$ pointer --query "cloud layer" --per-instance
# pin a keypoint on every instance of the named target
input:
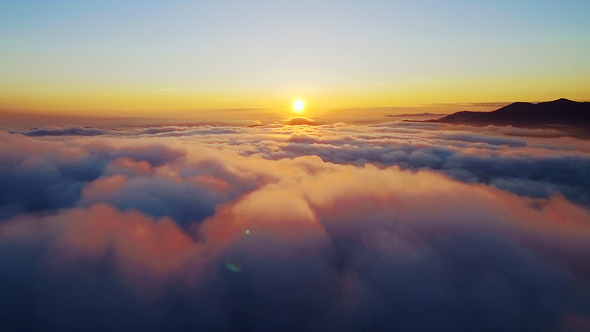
(403, 226)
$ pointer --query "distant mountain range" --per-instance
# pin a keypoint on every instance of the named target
(558, 112)
(417, 115)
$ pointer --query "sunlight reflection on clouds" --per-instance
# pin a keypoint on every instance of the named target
(276, 227)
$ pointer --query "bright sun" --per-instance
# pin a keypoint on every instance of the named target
(298, 106)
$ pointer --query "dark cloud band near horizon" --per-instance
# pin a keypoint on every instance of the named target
(392, 226)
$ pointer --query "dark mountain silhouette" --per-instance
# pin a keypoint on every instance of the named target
(558, 112)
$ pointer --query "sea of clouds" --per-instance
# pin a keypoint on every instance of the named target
(396, 226)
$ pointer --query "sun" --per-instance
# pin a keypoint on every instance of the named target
(298, 106)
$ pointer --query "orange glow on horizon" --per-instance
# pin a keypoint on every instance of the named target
(186, 102)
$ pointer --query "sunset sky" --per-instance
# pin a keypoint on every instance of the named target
(160, 59)
(295, 166)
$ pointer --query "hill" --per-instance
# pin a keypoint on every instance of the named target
(558, 112)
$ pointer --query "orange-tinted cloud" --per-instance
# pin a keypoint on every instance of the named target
(102, 187)
(140, 167)
(144, 249)
(323, 227)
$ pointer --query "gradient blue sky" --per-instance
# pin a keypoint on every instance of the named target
(129, 55)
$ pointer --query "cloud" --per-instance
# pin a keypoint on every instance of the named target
(344, 227)
(489, 140)
(177, 131)
(301, 121)
(67, 131)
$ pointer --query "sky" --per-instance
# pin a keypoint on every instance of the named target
(187, 58)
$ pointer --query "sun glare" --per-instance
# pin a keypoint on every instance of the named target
(298, 106)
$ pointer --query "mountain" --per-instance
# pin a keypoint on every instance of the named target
(405, 115)
(558, 112)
